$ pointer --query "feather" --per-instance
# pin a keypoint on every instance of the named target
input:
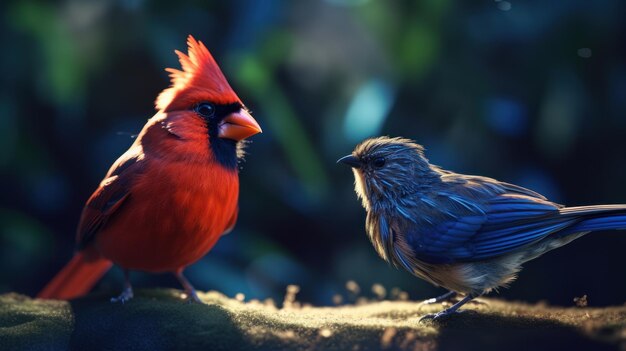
(467, 233)
(200, 75)
(108, 197)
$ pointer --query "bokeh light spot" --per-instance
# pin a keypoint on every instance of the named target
(504, 5)
(368, 110)
(584, 52)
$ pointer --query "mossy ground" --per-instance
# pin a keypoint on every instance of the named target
(161, 320)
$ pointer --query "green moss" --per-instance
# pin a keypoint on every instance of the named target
(160, 320)
(34, 324)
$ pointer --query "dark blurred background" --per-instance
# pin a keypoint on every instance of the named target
(530, 92)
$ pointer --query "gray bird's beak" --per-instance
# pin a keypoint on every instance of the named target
(350, 161)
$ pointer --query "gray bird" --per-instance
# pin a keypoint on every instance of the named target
(468, 234)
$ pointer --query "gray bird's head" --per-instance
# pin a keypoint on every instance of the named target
(388, 169)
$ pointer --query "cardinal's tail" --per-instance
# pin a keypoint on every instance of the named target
(77, 277)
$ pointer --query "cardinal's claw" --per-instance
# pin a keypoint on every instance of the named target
(192, 297)
(124, 297)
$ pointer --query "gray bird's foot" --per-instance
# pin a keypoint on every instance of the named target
(436, 316)
(124, 297)
(439, 316)
(448, 311)
(445, 297)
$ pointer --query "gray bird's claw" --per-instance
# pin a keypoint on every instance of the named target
(439, 316)
(433, 316)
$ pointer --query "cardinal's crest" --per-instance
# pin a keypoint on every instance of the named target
(199, 79)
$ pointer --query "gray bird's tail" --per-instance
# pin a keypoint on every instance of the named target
(592, 218)
(584, 219)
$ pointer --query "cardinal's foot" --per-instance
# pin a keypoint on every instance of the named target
(190, 292)
(124, 297)
(192, 297)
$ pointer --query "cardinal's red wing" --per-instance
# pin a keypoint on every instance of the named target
(231, 222)
(107, 200)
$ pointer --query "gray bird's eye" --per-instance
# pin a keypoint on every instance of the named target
(378, 162)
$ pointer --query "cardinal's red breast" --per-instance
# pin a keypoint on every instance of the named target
(180, 202)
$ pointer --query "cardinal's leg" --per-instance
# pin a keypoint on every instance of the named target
(127, 293)
(189, 289)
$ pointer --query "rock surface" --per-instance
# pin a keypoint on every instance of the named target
(160, 320)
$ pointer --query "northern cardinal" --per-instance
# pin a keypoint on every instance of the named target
(167, 200)
(468, 234)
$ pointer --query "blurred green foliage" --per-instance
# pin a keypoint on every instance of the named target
(528, 92)
(285, 125)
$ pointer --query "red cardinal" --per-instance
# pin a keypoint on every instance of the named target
(167, 200)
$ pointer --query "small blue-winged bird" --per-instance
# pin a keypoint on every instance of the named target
(468, 234)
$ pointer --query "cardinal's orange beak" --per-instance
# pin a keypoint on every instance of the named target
(238, 126)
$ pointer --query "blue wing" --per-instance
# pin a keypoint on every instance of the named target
(477, 218)
(470, 218)
(504, 224)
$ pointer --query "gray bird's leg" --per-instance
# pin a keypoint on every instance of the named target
(127, 293)
(445, 297)
(192, 296)
(448, 311)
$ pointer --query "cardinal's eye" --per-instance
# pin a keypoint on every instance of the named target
(378, 162)
(205, 109)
